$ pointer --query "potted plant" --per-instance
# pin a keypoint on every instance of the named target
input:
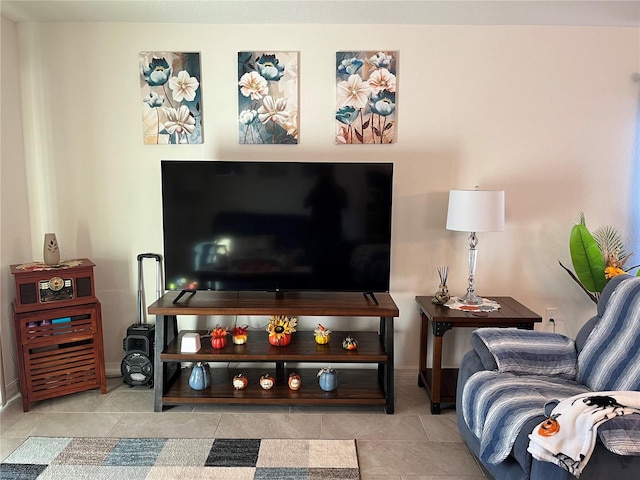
(596, 258)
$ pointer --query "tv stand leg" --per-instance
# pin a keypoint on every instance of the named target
(386, 335)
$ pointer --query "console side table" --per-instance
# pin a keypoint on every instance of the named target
(440, 383)
(58, 330)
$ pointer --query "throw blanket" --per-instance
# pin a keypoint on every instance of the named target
(610, 359)
(496, 405)
(567, 438)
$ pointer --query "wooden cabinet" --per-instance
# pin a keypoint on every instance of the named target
(371, 384)
(58, 330)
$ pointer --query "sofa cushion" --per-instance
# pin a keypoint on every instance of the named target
(609, 360)
(526, 351)
(496, 405)
(621, 435)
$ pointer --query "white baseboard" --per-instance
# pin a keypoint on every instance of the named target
(112, 369)
(12, 390)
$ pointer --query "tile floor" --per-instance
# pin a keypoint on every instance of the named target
(412, 444)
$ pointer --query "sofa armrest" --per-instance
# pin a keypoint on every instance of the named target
(470, 364)
(526, 352)
(621, 435)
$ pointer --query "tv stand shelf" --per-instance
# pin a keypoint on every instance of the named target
(357, 386)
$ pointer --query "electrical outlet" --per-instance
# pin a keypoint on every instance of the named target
(550, 319)
(550, 313)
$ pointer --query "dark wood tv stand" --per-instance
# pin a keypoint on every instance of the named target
(357, 386)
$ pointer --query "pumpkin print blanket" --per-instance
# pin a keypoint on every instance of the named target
(568, 436)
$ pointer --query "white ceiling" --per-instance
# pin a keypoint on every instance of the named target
(418, 12)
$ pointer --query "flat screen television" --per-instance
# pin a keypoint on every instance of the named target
(276, 226)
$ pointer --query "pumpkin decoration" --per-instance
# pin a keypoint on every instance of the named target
(280, 329)
(349, 343)
(200, 377)
(240, 382)
(266, 381)
(549, 427)
(322, 335)
(294, 381)
(239, 335)
(219, 338)
(328, 379)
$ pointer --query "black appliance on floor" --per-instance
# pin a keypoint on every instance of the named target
(137, 365)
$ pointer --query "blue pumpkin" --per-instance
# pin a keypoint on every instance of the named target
(328, 379)
(200, 377)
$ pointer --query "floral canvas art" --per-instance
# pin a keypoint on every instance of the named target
(366, 97)
(268, 97)
(171, 98)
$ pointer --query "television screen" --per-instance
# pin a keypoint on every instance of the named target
(277, 226)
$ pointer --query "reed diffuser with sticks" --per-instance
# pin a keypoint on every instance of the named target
(442, 294)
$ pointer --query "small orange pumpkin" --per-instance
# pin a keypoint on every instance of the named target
(219, 338)
(549, 427)
(282, 341)
(349, 343)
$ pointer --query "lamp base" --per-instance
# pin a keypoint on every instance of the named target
(471, 299)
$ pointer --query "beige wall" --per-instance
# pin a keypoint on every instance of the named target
(15, 236)
(546, 113)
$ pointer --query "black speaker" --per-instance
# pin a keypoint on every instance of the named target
(140, 338)
(137, 365)
(28, 293)
(137, 369)
(83, 287)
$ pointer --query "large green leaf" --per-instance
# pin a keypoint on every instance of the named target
(587, 258)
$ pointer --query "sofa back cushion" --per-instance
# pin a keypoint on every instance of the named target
(525, 352)
(585, 331)
(610, 358)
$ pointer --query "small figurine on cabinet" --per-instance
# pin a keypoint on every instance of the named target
(280, 329)
(349, 343)
(322, 335)
(239, 335)
(266, 381)
(328, 379)
(219, 337)
(240, 382)
(200, 377)
(294, 381)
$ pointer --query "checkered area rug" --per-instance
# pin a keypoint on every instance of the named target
(54, 458)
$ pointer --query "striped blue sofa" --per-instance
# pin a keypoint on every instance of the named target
(501, 442)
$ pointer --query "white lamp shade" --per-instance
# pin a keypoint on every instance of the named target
(476, 210)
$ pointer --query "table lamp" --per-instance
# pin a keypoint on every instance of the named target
(475, 211)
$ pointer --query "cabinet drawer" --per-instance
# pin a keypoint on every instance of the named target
(58, 369)
(54, 327)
